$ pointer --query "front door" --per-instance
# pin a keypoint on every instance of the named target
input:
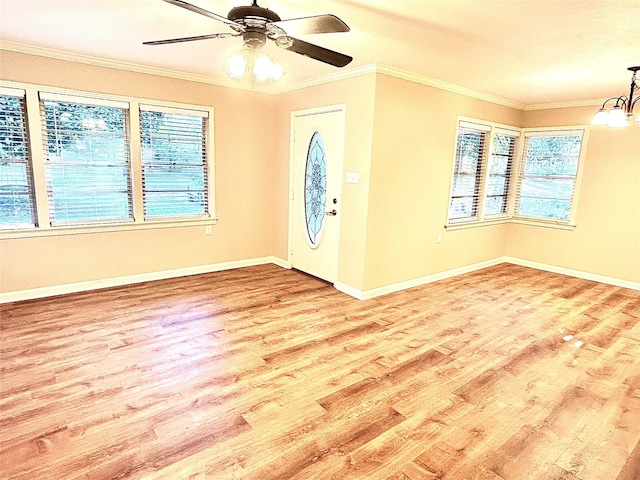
(317, 154)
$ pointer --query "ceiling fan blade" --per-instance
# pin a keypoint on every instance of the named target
(206, 13)
(191, 39)
(315, 24)
(318, 53)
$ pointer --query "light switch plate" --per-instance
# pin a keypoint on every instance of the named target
(353, 177)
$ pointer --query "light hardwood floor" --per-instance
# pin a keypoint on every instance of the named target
(264, 373)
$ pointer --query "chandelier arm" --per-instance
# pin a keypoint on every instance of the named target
(618, 100)
(622, 102)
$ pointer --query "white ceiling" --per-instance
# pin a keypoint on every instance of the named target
(530, 52)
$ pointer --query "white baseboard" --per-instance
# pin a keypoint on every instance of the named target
(349, 290)
(343, 287)
(396, 287)
(128, 280)
(618, 282)
(280, 262)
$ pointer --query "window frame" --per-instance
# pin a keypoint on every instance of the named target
(38, 159)
(482, 216)
(477, 197)
(508, 176)
(573, 207)
(21, 95)
(204, 115)
(515, 176)
(50, 163)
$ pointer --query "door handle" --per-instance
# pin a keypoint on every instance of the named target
(332, 213)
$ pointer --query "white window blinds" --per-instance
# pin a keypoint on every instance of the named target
(174, 162)
(500, 167)
(87, 160)
(17, 198)
(467, 175)
(548, 173)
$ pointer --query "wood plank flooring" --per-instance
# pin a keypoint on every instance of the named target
(264, 373)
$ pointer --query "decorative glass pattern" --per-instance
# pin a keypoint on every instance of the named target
(315, 188)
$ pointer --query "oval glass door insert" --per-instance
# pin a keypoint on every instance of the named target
(315, 189)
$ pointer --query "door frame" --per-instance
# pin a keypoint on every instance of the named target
(301, 113)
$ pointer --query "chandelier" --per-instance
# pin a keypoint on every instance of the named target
(622, 111)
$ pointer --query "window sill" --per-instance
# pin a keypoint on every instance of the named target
(105, 228)
(543, 223)
(477, 223)
(511, 220)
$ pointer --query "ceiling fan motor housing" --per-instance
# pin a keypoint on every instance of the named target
(253, 12)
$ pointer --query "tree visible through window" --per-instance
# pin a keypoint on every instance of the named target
(87, 167)
(548, 176)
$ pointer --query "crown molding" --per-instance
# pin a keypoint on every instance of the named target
(449, 87)
(334, 77)
(574, 104)
(404, 75)
(274, 90)
(109, 63)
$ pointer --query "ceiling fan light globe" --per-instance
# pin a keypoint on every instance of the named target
(266, 69)
(618, 118)
(236, 65)
(600, 118)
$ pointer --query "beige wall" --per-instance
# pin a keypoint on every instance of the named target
(412, 161)
(399, 137)
(357, 94)
(606, 240)
(246, 200)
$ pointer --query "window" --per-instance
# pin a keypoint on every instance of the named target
(83, 164)
(548, 175)
(492, 184)
(480, 186)
(17, 202)
(87, 160)
(174, 162)
(467, 173)
(503, 152)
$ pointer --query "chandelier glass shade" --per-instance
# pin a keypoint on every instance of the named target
(621, 114)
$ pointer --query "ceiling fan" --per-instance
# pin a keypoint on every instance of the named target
(256, 24)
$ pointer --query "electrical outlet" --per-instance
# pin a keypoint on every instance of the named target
(207, 230)
(439, 238)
